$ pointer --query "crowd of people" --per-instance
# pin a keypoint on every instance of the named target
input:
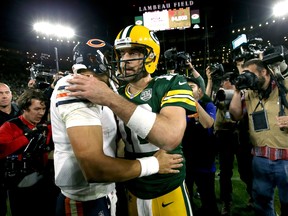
(63, 142)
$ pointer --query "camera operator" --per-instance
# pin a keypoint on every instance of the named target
(25, 143)
(194, 73)
(200, 159)
(214, 73)
(46, 87)
(227, 137)
(264, 100)
(244, 156)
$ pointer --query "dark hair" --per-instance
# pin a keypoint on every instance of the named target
(25, 99)
(255, 61)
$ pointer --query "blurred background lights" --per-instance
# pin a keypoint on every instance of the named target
(54, 30)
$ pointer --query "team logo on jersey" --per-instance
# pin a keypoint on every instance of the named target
(146, 94)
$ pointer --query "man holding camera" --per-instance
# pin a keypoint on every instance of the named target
(265, 101)
(226, 132)
(24, 144)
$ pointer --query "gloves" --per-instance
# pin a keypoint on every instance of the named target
(32, 133)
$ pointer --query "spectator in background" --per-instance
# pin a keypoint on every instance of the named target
(200, 157)
(8, 110)
(33, 194)
(268, 129)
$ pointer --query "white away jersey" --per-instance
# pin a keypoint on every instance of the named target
(68, 112)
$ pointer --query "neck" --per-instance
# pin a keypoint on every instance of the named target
(141, 84)
(6, 109)
(133, 89)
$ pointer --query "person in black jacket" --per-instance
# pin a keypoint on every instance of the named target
(8, 110)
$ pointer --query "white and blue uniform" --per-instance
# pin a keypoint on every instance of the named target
(68, 112)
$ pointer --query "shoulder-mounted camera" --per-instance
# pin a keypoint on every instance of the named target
(42, 76)
(246, 49)
(176, 60)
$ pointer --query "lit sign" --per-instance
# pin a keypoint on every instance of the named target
(157, 20)
(167, 19)
(179, 18)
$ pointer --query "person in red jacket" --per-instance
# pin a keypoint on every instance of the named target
(25, 143)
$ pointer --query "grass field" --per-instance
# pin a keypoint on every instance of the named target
(240, 196)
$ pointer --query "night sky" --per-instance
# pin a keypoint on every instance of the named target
(105, 19)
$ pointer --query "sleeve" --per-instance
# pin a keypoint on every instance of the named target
(211, 110)
(12, 139)
(179, 94)
(74, 111)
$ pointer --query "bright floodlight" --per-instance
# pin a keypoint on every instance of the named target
(54, 30)
(281, 8)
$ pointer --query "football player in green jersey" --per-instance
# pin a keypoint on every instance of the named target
(152, 113)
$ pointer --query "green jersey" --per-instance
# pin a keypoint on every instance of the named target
(162, 91)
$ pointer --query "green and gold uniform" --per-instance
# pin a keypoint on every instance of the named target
(162, 91)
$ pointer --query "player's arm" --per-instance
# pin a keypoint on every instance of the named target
(87, 145)
(157, 128)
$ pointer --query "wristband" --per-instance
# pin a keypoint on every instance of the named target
(149, 166)
(141, 121)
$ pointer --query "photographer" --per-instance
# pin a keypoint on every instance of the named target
(200, 159)
(181, 63)
(226, 132)
(25, 143)
(196, 75)
(47, 87)
(265, 102)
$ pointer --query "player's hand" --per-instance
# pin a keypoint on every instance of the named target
(168, 163)
(90, 88)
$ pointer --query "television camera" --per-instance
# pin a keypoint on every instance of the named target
(176, 60)
(41, 76)
(275, 58)
(246, 49)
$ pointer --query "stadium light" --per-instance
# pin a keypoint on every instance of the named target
(56, 30)
(281, 8)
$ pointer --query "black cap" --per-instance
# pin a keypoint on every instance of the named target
(193, 79)
(227, 75)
